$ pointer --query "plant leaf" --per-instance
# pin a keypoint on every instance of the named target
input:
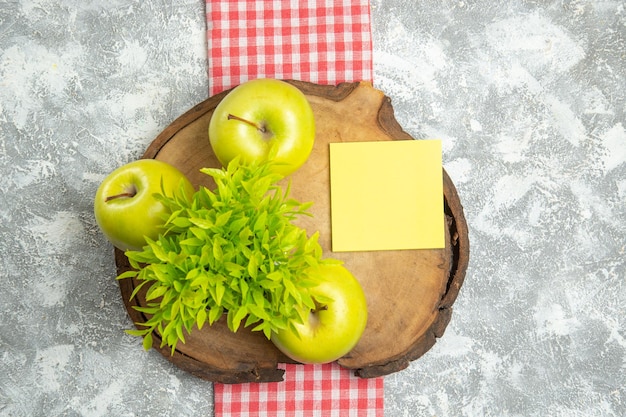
(155, 291)
(147, 341)
(235, 319)
(201, 318)
(202, 223)
(215, 313)
(128, 274)
(223, 218)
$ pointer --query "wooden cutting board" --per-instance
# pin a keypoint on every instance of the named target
(409, 293)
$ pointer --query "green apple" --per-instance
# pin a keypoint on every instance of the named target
(335, 326)
(263, 116)
(125, 208)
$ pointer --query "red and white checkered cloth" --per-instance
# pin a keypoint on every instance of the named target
(307, 391)
(320, 41)
(324, 42)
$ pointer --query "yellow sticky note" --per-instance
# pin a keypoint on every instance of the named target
(386, 195)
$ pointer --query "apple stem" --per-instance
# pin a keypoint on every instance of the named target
(319, 307)
(261, 129)
(127, 194)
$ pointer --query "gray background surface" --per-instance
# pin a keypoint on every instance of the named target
(529, 100)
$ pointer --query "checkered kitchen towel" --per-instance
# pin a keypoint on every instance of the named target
(307, 391)
(324, 42)
(320, 41)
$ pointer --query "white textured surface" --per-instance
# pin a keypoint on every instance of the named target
(529, 100)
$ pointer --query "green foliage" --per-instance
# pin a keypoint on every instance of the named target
(233, 251)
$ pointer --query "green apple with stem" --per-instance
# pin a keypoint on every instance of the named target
(125, 207)
(334, 327)
(263, 118)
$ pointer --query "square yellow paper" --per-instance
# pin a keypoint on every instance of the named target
(386, 195)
